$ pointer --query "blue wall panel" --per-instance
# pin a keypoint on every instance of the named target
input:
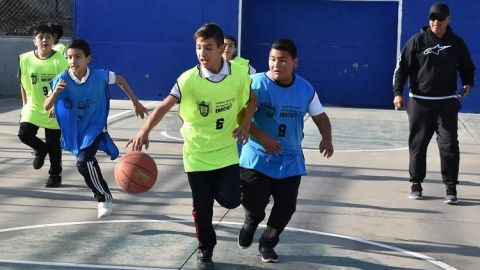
(346, 49)
(149, 42)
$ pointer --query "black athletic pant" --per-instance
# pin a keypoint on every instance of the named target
(28, 135)
(88, 167)
(222, 185)
(257, 189)
(434, 116)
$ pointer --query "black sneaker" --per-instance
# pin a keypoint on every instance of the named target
(451, 194)
(268, 254)
(53, 181)
(245, 236)
(416, 191)
(204, 260)
(39, 159)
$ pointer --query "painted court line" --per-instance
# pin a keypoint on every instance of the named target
(165, 134)
(88, 266)
(148, 105)
(385, 246)
(306, 118)
(360, 150)
(428, 259)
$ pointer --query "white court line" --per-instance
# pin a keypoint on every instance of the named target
(79, 265)
(360, 150)
(428, 259)
(165, 134)
(129, 111)
(306, 118)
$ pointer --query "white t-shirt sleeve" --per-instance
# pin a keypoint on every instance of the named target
(251, 69)
(315, 107)
(175, 91)
(112, 77)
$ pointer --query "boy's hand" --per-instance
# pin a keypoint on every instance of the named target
(51, 113)
(272, 146)
(326, 148)
(139, 109)
(138, 141)
(60, 86)
(242, 132)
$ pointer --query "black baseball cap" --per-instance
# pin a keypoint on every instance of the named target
(439, 10)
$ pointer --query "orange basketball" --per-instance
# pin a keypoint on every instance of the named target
(136, 172)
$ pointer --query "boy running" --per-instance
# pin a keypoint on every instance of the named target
(211, 96)
(272, 162)
(82, 102)
(36, 69)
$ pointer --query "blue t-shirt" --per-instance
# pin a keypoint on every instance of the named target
(280, 114)
(82, 110)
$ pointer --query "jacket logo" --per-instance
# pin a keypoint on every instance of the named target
(436, 50)
(204, 108)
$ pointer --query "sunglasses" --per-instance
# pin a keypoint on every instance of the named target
(437, 17)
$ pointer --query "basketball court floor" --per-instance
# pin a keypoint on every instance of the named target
(353, 209)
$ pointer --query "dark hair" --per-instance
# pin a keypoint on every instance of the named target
(41, 29)
(57, 29)
(210, 30)
(232, 39)
(287, 45)
(80, 44)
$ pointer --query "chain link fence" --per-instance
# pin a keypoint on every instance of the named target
(17, 17)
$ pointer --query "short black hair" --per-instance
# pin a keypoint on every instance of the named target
(41, 29)
(57, 29)
(287, 45)
(232, 39)
(80, 44)
(210, 30)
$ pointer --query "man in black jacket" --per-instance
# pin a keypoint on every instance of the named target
(431, 60)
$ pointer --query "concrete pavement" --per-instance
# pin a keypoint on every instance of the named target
(353, 209)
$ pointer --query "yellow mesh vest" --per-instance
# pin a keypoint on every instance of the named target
(209, 112)
(60, 47)
(35, 75)
(241, 61)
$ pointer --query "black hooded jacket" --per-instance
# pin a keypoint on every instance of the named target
(431, 63)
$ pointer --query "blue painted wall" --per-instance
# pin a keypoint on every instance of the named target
(347, 49)
(149, 42)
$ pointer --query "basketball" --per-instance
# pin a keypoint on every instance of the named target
(135, 172)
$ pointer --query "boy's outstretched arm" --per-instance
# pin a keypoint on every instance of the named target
(50, 101)
(142, 136)
(323, 124)
(242, 132)
(140, 110)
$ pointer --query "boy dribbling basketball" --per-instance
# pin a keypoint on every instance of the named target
(211, 96)
(82, 103)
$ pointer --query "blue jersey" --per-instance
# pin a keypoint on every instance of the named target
(82, 110)
(280, 114)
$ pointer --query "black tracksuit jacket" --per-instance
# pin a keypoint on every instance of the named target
(431, 64)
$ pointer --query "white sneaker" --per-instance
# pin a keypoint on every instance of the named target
(104, 209)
